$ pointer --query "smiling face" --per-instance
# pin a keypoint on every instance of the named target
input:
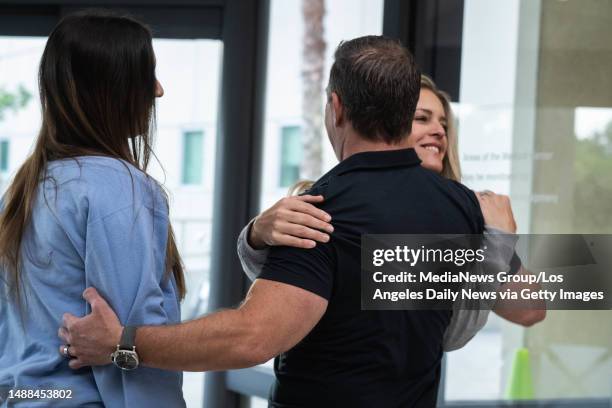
(428, 137)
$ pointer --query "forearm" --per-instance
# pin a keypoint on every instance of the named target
(273, 318)
(525, 312)
(526, 318)
(500, 249)
(220, 341)
(469, 316)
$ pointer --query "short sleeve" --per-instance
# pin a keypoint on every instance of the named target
(310, 269)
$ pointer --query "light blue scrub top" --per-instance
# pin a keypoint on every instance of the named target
(101, 223)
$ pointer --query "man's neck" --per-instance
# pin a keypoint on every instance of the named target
(358, 144)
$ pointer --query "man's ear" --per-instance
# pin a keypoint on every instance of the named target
(337, 110)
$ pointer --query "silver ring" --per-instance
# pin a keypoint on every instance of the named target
(66, 352)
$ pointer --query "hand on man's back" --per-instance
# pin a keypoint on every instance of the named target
(497, 211)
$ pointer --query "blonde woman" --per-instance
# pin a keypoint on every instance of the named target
(296, 221)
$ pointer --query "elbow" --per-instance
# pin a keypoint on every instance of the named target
(256, 348)
(256, 357)
(531, 317)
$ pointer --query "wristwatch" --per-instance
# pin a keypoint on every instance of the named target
(125, 357)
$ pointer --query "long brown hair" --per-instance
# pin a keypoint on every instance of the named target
(97, 90)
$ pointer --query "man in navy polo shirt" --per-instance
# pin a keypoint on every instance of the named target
(305, 306)
(352, 357)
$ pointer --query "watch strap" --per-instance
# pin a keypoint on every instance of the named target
(128, 338)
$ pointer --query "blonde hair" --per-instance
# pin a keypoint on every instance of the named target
(300, 187)
(451, 168)
(450, 164)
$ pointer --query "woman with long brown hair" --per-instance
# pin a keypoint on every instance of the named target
(82, 211)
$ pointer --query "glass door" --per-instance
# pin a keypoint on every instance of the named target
(535, 122)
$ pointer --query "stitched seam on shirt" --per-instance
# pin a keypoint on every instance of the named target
(102, 218)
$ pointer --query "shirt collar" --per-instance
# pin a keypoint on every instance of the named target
(378, 160)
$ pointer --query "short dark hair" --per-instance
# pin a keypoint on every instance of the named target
(378, 83)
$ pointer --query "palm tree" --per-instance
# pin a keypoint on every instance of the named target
(313, 60)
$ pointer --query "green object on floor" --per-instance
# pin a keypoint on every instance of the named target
(520, 383)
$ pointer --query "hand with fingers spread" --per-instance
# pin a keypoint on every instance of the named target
(292, 221)
(497, 211)
(90, 340)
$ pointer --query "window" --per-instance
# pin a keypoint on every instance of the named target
(4, 155)
(19, 110)
(193, 145)
(286, 88)
(291, 155)
(543, 140)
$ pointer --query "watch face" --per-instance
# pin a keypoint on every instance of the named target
(126, 359)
